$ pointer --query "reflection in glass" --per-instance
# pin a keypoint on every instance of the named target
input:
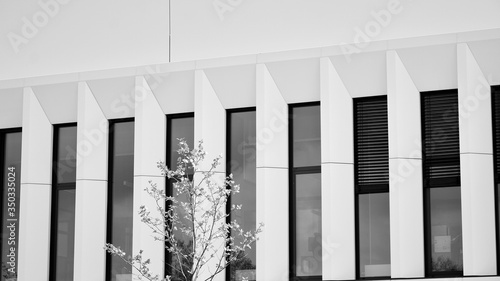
(179, 128)
(308, 224)
(306, 136)
(243, 167)
(62, 252)
(121, 200)
(374, 235)
(65, 234)
(446, 229)
(11, 183)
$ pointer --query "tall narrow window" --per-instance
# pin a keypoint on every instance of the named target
(241, 162)
(371, 141)
(63, 203)
(10, 163)
(120, 196)
(179, 126)
(441, 177)
(305, 192)
(495, 100)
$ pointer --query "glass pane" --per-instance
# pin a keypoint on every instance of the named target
(65, 235)
(122, 185)
(308, 224)
(446, 229)
(374, 235)
(11, 165)
(66, 155)
(306, 136)
(242, 166)
(180, 128)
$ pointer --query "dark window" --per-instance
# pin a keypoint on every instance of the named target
(120, 196)
(495, 100)
(63, 203)
(305, 192)
(241, 162)
(10, 163)
(371, 141)
(179, 126)
(441, 177)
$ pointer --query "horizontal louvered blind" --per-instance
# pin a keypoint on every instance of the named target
(440, 133)
(495, 95)
(372, 141)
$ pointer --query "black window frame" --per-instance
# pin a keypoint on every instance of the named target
(168, 184)
(368, 188)
(55, 188)
(428, 184)
(109, 207)
(228, 165)
(3, 133)
(495, 118)
(292, 174)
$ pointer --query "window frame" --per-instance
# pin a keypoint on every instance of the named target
(495, 97)
(292, 188)
(365, 189)
(427, 185)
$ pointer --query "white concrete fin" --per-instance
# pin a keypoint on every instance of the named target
(336, 117)
(474, 103)
(297, 80)
(488, 58)
(115, 96)
(431, 68)
(92, 137)
(272, 122)
(150, 130)
(209, 121)
(11, 108)
(36, 162)
(59, 101)
(403, 102)
(173, 90)
(363, 74)
(235, 86)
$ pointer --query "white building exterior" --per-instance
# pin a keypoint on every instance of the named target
(232, 71)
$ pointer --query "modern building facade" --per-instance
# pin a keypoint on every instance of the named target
(364, 160)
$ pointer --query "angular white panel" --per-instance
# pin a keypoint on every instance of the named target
(174, 91)
(143, 237)
(406, 217)
(474, 98)
(59, 101)
(150, 131)
(478, 214)
(92, 137)
(11, 108)
(337, 143)
(297, 80)
(235, 86)
(488, 58)
(209, 121)
(37, 142)
(431, 68)
(363, 74)
(272, 210)
(34, 231)
(115, 96)
(272, 122)
(90, 230)
(338, 221)
(403, 102)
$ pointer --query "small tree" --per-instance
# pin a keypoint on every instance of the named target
(197, 213)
